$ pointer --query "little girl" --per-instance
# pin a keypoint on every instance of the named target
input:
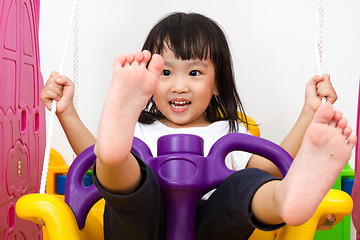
(182, 82)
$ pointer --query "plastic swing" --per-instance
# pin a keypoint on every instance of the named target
(181, 168)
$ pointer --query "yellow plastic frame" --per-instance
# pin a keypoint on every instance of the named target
(59, 222)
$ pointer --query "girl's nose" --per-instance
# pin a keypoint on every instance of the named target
(179, 85)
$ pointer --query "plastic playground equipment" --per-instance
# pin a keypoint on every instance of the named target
(355, 191)
(22, 119)
(78, 213)
(181, 168)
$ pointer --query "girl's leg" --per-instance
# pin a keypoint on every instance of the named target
(139, 215)
(325, 150)
(134, 79)
(226, 214)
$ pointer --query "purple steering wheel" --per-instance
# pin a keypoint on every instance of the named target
(181, 169)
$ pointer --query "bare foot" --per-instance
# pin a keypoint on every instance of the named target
(325, 150)
(136, 74)
(133, 82)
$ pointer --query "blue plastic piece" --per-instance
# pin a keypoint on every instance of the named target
(347, 185)
(87, 181)
(61, 179)
(60, 184)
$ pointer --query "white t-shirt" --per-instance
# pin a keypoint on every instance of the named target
(150, 133)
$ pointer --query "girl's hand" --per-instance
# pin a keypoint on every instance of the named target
(59, 88)
(317, 88)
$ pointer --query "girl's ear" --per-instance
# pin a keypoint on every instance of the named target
(216, 92)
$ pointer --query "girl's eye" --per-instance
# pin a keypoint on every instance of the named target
(194, 73)
(166, 73)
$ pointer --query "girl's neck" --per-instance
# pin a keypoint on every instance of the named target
(170, 124)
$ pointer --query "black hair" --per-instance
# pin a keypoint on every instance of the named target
(195, 36)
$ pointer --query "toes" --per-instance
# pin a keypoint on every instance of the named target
(336, 118)
(342, 124)
(139, 57)
(324, 114)
(347, 131)
(156, 64)
(119, 61)
(129, 58)
(147, 56)
(352, 141)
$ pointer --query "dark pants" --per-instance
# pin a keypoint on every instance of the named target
(225, 215)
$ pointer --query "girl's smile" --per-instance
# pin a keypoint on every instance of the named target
(179, 104)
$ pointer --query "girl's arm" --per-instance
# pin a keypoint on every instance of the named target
(61, 89)
(79, 137)
(316, 89)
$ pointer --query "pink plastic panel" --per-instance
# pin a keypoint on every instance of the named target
(356, 187)
(22, 119)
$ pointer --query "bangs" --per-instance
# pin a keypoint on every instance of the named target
(186, 45)
(188, 38)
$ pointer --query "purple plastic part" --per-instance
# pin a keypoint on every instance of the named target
(80, 198)
(184, 174)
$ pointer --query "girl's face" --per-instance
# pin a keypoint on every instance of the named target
(184, 91)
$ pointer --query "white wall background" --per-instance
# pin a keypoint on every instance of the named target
(272, 44)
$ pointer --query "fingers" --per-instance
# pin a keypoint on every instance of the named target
(324, 88)
(52, 90)
(316, 79)
(55, 88)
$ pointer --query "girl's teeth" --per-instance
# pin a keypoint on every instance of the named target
(181, 104)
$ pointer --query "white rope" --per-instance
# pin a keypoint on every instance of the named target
(319, 50)
(52, 116)
(76, 58)
(48, 147)
(76, 54)
(319, 39)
